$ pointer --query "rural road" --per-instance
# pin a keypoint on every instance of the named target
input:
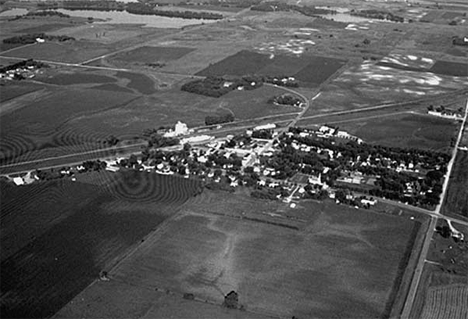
(406, 313)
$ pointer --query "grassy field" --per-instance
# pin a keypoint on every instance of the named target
(405, 130)
(14, 90)
(329, 265)
(140, 82)
(57, 236)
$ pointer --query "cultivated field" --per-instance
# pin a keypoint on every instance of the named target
(321, 260)
(147, 54)
(41, 128)
(405, 130)
(446, 302)
(310, 70)
(457, 193)
(57, 236)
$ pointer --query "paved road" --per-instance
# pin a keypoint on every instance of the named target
(430, 230)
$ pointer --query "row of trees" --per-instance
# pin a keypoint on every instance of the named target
(310, 11)
(286, 99)
(144, 9)
(376, 14)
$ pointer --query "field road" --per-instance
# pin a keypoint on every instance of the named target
(430, 230)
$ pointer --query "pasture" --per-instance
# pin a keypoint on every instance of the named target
(405, 130)
(57, 236)
(331, 264)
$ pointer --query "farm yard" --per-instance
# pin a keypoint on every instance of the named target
(74, 230)
(276, 270)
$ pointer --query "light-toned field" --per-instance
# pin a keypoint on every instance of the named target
(337, 262)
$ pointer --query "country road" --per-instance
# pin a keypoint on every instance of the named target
(430, 230)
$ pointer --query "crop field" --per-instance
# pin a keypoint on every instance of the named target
(77, 78)
(74, 230)
(43, 126)
(147, 54)
(450, 68)
(312, 70)
(276, 269)
(405, 130)
(457, 193)
(69, 52)
(14, 90)
(45, 28)
(140, 82)
(446, 302)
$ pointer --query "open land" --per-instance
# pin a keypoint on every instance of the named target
(264, 261)
(74, 230)
(372, 78)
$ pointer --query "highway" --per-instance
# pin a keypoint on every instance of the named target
(435, 215)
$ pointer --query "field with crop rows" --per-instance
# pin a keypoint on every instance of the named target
(43, 124)
(446, 303)
(57, 236)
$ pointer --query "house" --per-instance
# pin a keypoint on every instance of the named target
(18, 181)
(370, 202)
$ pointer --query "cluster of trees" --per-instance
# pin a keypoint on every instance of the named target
(157, 140)
(263, 134)
(219, 119)
(376, 14)
(31, 38)
(459, 41)
(144, 9)
(47, 13)
(23, 64)
(108, 5)
(311, 11)
(219, 86)
(390, 184)
(286, 99)
(111, 140)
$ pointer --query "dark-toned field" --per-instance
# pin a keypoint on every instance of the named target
(310, 70)
(405, 130)
(456, 201)
(327, 261)
(147, 54)
(140, 82)
(450, 68)
(43, 124)
(77, 78)
(57, 236)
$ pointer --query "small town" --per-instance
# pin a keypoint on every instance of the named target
(300, 163)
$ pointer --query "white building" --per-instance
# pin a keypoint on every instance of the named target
(269, 126)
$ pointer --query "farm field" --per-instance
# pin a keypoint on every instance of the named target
(77, 78)
(43, 125)
(311, 70)
(405, 130)
(13, 90)
(74, 230)
(456, 203)
(147, 54)
(276, 269)
(446, 302)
